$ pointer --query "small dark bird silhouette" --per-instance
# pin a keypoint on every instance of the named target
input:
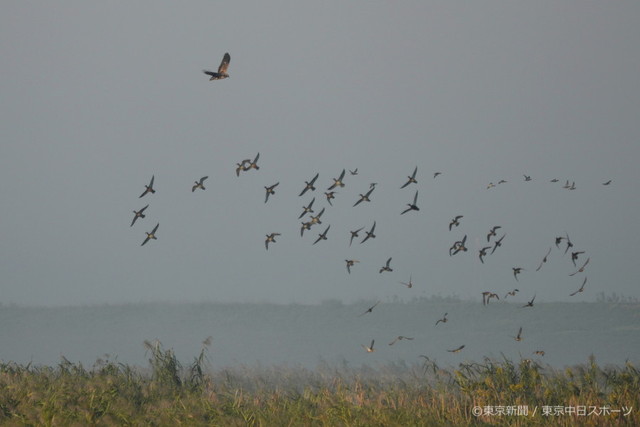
(305, 226)
(544, 260)
(387, 266)
(353, 172)
(337, 182)
(309, 185)
(412, 178)
(364, 197)
(519, 336)
(486, 297)
(323, 235)
(512, 293)
(138, 214)
(270, 238)
(199, 184)
(581, 289)
(222, 69)
(436, 174)
(581, 269)
(574, 256)
(527, 177)
(443, 320)
(370, 309)
(497, 243)
(516, 271)
(459, 246)
(569, 244)
(148, 188)
(483, 252)
(412, 206)
(242, 166)
(455, 221)
(370, 234)
(254, 163)
(307, 209)
(530, 303)
(354, 234)
(350, 263)
(400, 338)
(606, 183)
(539, 353)
(151, 235)
(269, 191)
(316, 219)
(330, 195)
(558, 241)
(492, 232)
(456, 350)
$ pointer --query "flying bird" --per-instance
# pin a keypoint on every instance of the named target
(408, 284)
(492, 232)
(370, 348)
(151, 235)
(308, 208)
(222, 69)
(412, 206)
(544, 260)
(400, 338)
(530, 303)
(370, 309)
(569, 244)
(486, 297)
(370, 234)
(443, 320)
(581, 269)
(242, 166)
(148, 188)
(353, 172)
(512, 293)
(199, 184)
(516, 271)
(456, 350)
(309, 185)
(455, 221)
(337, 182)
(519, 336)
(386, 267)
(497, 243)
(458, 246)
(270, 190)
(270, 238)
(483, 252)
(364, 197)
(138, 214)
(323, 235)
(527, 177)
(350, 263)
(435, 175)
(581, 288)
(574, 256)
(539, 352)
(316, 219)
(330, 195)
(606, 183)
(412, 178)
(354, 234)
(254, 163)
(305, 226)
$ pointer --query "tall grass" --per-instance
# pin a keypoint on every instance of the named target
(423, 393)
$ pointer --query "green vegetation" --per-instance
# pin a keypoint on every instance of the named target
(168, 393)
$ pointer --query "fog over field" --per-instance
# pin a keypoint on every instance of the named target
(522, 116)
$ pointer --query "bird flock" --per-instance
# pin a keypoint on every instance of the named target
(495, 235)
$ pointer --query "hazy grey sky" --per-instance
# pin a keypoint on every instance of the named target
(99, 96)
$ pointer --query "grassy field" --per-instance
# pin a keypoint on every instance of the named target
(490, 392)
